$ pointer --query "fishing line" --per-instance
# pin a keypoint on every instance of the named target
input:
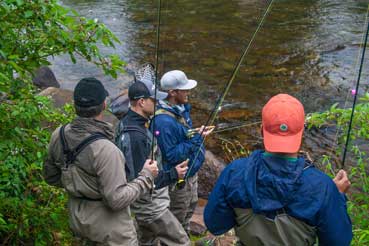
(217, 107)
(355, 96)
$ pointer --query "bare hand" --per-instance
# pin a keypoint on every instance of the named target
(205, 131)
(152, 166)
(182, 169)
(342, 182)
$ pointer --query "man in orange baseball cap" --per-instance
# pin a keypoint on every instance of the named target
(283, 120)
(275, 197)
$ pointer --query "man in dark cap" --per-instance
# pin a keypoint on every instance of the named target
(155, 221)
(84, 160)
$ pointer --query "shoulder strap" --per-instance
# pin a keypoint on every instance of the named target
(132, 128)
(71, 155)
(180, 119)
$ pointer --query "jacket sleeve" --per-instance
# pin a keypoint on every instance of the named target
(51, 169)
(173, 143)
(334, 224)
(139, 153)
(166, 178)
(115, 190)
(219, 216)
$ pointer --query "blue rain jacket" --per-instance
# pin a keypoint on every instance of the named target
(268, 183)
(174, 144)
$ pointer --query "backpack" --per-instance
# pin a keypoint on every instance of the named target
(123, 141)
(69, 157)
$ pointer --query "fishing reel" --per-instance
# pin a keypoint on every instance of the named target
(181, 183)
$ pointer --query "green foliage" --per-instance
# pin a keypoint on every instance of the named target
(32, 31)
(233, 149)
(32, 212)
(358, 205)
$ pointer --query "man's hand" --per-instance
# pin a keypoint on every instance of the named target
(205, 131)
(182, 169)
(152, 166)
(342, 182)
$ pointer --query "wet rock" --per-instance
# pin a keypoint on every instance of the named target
(227, 239)
(197, 224)
(45, 78)
(209, 174)
(119, 105)
(337, 48)
(61, 96)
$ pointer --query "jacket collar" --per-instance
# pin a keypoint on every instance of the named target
(85, 126)
(175, 109)
(136, 118)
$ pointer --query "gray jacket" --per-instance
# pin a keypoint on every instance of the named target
(99, 195)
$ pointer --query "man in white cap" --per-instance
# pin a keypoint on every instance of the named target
(177, 144)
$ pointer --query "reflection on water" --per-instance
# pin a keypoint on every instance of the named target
(305, 48)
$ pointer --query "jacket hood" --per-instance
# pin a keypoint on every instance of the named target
(82, 126)
(272, 181)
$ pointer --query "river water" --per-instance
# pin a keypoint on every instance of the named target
(305, 48)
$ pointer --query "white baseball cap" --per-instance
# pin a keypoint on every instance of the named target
(176, 80)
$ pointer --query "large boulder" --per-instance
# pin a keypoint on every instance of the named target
(198, 229)
(61, 96)
(209, 174)
(44, 78)
(119, 104)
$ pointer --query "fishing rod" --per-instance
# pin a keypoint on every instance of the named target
(218, 129)
(156, 75)
(217, 107)
(355, 96)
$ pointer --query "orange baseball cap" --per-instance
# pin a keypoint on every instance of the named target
(283, 119)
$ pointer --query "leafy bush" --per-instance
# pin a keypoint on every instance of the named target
(358, 205)
(31, 212)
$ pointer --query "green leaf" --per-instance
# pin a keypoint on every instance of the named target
(19, 2)
(28, 13)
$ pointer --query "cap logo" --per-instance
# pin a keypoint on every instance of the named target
(153, 88)
(283, 127)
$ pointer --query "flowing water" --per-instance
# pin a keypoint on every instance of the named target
(306, 48)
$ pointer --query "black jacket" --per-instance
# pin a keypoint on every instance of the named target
(142, 151)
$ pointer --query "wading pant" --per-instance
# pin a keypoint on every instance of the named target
(166, 229)
(183, 202)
